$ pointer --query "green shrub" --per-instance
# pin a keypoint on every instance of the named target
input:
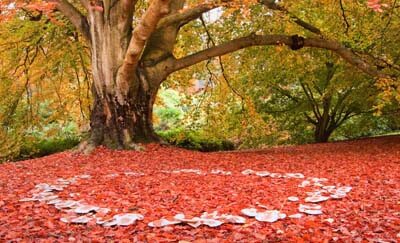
(34, 149)
(195, 140)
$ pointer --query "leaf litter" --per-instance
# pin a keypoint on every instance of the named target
(345, 191)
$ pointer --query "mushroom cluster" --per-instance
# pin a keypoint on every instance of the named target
(269, 216)
(272, 174)
(78, 212)
(208, 219)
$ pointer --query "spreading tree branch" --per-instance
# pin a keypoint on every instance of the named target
(147, 25)
(271, 4)
(285, 93)
(309, 119)
(339, 103)
(186, 16)
(210, 39)
(143, 31)
(85, 3)
(344, 16)
(347, 115)
(310, 98)
(75, 17)
(295, 42)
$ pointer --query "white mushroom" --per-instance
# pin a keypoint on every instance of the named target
(83, 209)
(195, 171)
(65, 220)
(295, 175)
(329, 220)
(80, 220)
(44, 196)
(316, 199)
(315, 179)
(103, 211)
(263, 173)
(312, 212)
(328, 187)
(233, 219)
(121, 220)
(344, 189)
(211, 222)
(268, 216)
(251, 212)
(55, 201)
(63, 181)
(221, 172)
(338, 195)
(67, 204)
(194, 224)
(276, 175)
(108, 223)
(293, 199)
(42, 186)
(296, 216)
(312, 209)
(228, 218)
(127, 219)
(309, 206)
(248, 172)
(112, 175)
(163, 222)
(305, 183)
(179, 216)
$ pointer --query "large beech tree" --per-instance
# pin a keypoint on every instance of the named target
(132, 57)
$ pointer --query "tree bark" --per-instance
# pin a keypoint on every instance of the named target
(124, 91)
(120, 126)
(324, 127)
(322, 134)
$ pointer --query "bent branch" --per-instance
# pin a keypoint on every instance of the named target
(85, 3)
(186, 16)
(263, 40)
(75, 17)
(143, 31)
(140, 35)
(271, 4)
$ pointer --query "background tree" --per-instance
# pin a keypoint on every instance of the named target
(44, 84)
(322, 93)
(261, 66)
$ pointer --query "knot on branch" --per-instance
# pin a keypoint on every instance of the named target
(297, 42)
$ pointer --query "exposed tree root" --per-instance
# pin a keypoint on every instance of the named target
(86, 147)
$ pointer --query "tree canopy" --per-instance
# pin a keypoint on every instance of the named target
(250, 50)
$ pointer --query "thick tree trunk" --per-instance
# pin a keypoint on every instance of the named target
(322, 137)
(123, 92)
(118, 125)
(123, 108)
(322, 133)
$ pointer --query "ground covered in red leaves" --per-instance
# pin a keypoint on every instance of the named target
(369, 213)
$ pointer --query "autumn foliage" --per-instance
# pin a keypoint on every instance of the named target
(337, 192)
(376, 5)
(138, 183)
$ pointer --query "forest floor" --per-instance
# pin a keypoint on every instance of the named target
(152, 184)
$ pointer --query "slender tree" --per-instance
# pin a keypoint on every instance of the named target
(325, 103)
(130, 61)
